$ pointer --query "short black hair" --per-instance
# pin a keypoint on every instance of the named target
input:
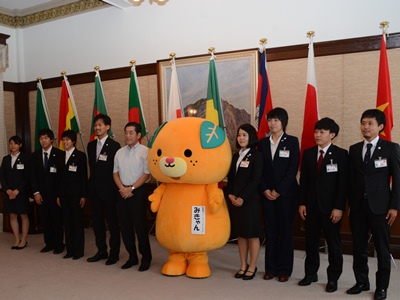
(106, 119)
(280, 114)
(46, 131)
(70, 134)
(137, 126)
(251, 131)
(327, 124)
(375, 114)
(16, 139)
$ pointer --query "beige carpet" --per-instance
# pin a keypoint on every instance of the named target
(28, 274)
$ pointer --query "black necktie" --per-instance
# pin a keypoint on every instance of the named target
(46, 160)
(320, 158)
(367, 156)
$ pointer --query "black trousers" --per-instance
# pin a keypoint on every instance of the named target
(73, 225)
(52, 222)
(361, 222)
(315, 223)
(132, 215)
(106, 210)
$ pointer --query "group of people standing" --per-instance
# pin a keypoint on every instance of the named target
(60, 186)
(264, 173)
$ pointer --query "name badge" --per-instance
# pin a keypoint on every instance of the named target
(20, 166)
(284, 153)
(244, 164)
(198, 220)
(72, 168)
(103, 157)
(331, 168)
(53, 170)
(380, 163)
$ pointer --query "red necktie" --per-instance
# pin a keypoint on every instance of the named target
(320, 158)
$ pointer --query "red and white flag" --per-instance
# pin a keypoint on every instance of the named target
(174, 110)
(311, 115)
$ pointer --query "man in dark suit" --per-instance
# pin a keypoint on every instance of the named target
(45, 174)
(73, 190)
(373, 200)
(322, 199)
(102, 190)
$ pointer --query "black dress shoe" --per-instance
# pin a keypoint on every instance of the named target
(308, 280)
(129, 264)
(98, 256)
(144, 266)
(240, 275)
(380, 294)
(250, 277)
(77, 257)
(358, 288)
(22, 247)
(58, 250)
(111, 261)
(46, 249)
(68, 255)
(331, 286)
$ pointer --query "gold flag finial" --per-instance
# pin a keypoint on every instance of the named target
(96, 68)
(132, 62)
(39, 78)
(211, 49)
(310, 33)
(172, 55)
(263, 41)
(63, 73)
(384, 24)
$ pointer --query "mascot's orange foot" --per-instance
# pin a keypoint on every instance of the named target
(174, 268)
(198, 270)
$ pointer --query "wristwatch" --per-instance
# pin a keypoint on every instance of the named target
(133, 187)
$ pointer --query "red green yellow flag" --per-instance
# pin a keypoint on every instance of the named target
(67, 117)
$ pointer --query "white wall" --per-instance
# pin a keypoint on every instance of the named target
(111, 37)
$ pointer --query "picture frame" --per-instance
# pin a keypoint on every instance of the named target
(237, 73)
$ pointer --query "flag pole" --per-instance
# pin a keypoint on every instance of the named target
(71, 97)
(133, 69)
(44, 103)
(173, 66)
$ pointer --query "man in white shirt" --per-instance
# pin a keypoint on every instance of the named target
(131, 172)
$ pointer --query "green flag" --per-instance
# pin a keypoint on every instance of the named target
(214, 111)
(42, 117)
(135, 111)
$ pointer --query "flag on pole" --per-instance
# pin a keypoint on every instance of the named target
(264, 100)
(384, 94)
(135, 111)
(43, 120)
(175, 110)
(99, 106)
(311, 115)
(67, 117)
(213, 104)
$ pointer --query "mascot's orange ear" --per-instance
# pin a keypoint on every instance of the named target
(211, 135)
(153, 138)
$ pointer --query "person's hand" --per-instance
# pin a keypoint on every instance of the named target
(302, 211)
(391, 216)
(82, 202)
(126, 192)
(336, 215)
(269, 195)
(38, 199)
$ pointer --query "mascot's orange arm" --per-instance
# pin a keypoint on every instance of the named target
(156, 197)
(215, 197)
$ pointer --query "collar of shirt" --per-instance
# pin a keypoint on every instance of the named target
(68, 153)
(103, 140)
(48, 151)
(373, 142)
(272, 141)
(325, 149)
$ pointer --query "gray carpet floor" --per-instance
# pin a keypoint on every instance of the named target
(29, 274)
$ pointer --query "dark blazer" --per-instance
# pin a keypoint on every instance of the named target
(101, 181)
(74, 175)
(245, 182)
(328, 189)
(42, 180)
(380, 196)
(280, 174)
(14, 178)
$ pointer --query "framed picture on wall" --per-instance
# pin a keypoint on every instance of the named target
(237, 74)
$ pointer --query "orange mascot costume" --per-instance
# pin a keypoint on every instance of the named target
(189, 156)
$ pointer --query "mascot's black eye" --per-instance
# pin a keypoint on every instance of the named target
(188, 153)
(159, 152)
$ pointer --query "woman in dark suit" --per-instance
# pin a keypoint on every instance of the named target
(243, 185)
(14, 176)
(279, 187)
(73, 190)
